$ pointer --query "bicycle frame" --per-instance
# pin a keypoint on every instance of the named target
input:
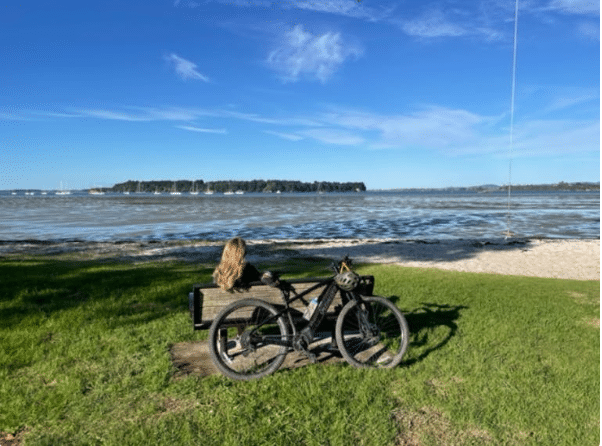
(317, 316)
(301, 340)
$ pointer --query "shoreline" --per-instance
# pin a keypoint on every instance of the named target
(537, 257)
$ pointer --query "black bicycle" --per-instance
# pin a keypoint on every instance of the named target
(250, 338)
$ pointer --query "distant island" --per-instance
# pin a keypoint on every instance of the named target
(264, 186)
(562, 186)
(277, 186)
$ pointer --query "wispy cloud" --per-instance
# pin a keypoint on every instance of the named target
(538, 138)
(303, 54)
(488, 24)
(334, 136)
(13, 116)
(114, 115)
(456, 132)
(575, 6)
(557, 137)
(201, 130)
(185, 68)
(570, 100)
(490, 20)
(444, 131)
(133, 113)
(433, 127)
(172, 113)
(287, 136)
(346, 8)
(589, 30)
(254, 117)
(138, 113)
(432, 24)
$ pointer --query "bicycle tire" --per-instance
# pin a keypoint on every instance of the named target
(380, 344)
(245, 356)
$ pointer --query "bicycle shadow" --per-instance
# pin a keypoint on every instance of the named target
(425, 325)
(193, 358)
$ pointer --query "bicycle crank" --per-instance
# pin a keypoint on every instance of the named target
(301, 343)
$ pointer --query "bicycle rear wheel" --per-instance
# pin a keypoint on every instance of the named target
(246, 340)
(373, 333)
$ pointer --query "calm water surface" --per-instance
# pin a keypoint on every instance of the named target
(404, 215)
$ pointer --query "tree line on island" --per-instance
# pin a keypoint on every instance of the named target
(264, 186)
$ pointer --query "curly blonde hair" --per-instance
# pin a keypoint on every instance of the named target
(232, 264)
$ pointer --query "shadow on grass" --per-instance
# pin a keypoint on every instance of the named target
(424, 321)
(129, 293)
(136, 294)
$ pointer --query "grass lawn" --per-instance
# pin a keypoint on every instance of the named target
(84, 360)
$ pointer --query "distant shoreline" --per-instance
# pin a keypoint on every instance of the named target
(562, 186)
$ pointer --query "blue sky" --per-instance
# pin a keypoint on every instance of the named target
(395, 94)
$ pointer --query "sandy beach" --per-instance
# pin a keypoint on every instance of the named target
(554, 258)
(562, 259)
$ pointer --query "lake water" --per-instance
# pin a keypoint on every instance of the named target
(399, 215)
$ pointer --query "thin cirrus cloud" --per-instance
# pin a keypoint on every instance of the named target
(346, 8)
(448, 131)
(202, 130)
(134, 113)
(432, 127)
(334, 136)
(437, 23)
(113, 115)
(432, 24)
(589, 30)
(304, 55)
(575, 6)
(185, 68)
(287, 136)
(456, 132)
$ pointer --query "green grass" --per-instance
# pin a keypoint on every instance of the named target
(84, 360)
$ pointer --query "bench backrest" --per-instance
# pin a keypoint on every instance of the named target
(207, 300)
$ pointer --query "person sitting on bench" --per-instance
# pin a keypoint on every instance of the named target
(234, 273)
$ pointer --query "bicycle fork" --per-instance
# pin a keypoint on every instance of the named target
(368, 331)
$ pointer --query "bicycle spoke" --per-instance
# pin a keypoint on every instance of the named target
(255, 346)
(372, 335)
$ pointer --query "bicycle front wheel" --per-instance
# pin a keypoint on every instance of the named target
(372, 333)
(247, 340)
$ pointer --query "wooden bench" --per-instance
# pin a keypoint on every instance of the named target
(206, 300)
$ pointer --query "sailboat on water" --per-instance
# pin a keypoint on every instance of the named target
(62, 191)
(194, 191)
(174, 190)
